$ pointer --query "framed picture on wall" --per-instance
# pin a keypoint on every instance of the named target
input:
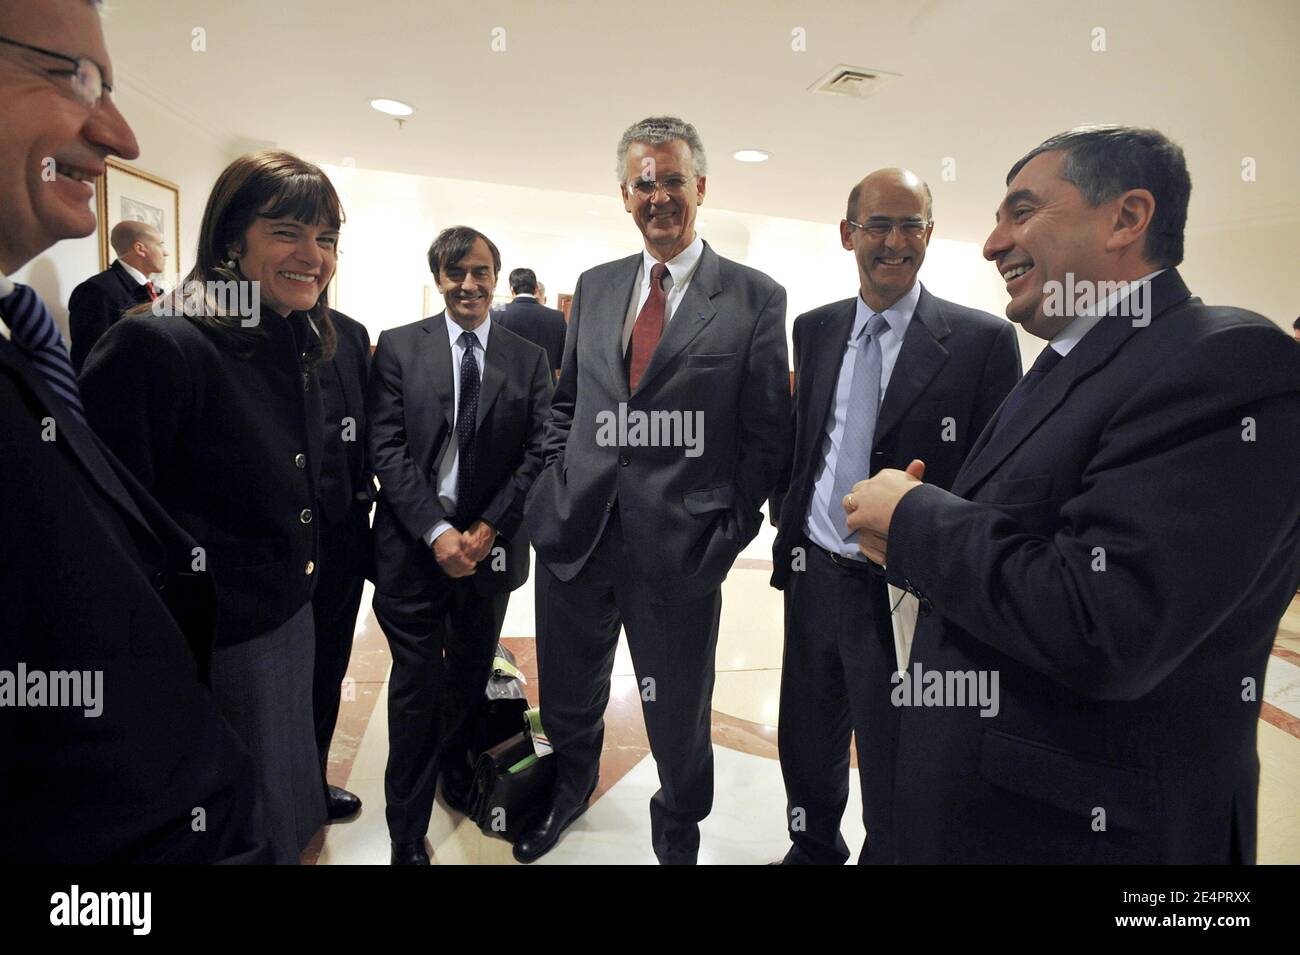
(126, 193)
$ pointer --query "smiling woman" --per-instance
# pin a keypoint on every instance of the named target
(211, 396)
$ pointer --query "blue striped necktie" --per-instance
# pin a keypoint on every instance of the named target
(34, 332)
(853, 464)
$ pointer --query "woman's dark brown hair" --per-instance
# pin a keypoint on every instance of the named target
(276, 185)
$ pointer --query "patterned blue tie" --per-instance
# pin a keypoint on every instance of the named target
(34, 332)
(853, 464)
(466, 422)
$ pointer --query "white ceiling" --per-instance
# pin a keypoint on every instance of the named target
(982, 82)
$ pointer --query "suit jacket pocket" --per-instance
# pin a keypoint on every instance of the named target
(710, 361)
(704, 500)
(1065, 781)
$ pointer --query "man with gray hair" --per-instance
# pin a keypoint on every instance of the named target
(636, 526)
(99, 301)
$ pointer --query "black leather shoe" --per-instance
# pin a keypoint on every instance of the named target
(410, 853)
(541, 836)
(341, 804)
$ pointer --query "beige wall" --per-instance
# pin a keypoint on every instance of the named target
(1255, 267)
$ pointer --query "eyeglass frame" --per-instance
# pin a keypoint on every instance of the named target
(656, 185)
(898, 224)
(82, 64)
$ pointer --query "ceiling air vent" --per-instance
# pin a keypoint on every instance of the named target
(844, 80)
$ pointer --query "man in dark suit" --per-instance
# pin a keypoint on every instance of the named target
(457, 407)
(345, 493)
(100, 301)
(136, 764)
(1101, 588)
(670, 427)
(892, 374)
(528, 318)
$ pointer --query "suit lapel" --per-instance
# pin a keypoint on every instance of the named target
(85, 448)
(613, 301)
(1092, 352)
(435, 363)
(825, 356)
(919, 360)
(494, 376)
(692, 316)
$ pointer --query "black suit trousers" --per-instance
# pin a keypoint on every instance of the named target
(672, 642)
(334, 604)
(835, 681)
(442, 643)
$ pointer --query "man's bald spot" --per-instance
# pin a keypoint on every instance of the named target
(892, 176)
(128, 232)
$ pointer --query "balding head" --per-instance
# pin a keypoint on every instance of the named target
(887, 227)
(889, 178)
(139, 245)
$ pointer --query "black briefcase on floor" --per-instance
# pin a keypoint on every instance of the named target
(512, 785)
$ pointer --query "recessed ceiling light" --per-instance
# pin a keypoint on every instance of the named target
(392, 107)
(751, 155)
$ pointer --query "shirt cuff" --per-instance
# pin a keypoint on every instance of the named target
(436, 531)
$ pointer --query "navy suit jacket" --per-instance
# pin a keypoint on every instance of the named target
(94, 576)
(534, 322)
(1119, 555)
(955, 366)
(410, 409)
(97, 304)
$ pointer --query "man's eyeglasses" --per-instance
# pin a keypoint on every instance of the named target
(88, 86)
(646, 188)
(878, 227)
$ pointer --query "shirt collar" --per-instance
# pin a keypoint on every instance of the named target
(898, 316)
(531, 298)
(454, 331)
(681, 266)
(140, 277)
(1069, 336)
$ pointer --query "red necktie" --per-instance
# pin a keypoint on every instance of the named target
(153, 292)
(649, 326)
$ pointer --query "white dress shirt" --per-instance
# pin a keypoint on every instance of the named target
(140, 277)
(449, 466)
(681, 269)
(1069, 336)
(817, 524)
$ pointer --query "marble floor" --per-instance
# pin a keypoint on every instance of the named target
(747, 825)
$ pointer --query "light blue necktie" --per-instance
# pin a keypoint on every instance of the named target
(853, 464)
(34, 332)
